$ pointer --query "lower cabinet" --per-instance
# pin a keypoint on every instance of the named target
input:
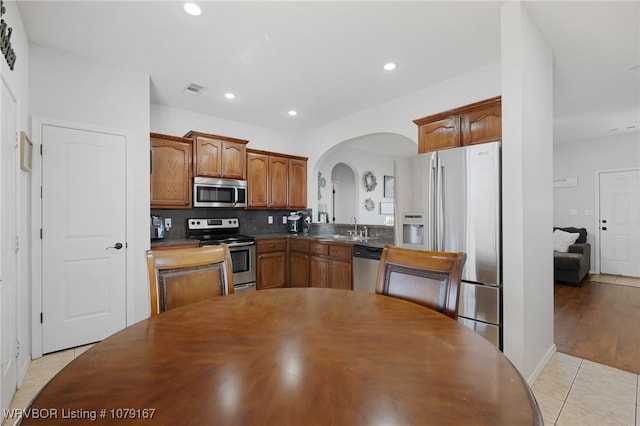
(298, 263)
(271, 263)
(330, 265)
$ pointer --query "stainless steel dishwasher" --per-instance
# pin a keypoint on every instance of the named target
(365, 267)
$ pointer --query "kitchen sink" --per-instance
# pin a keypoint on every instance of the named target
(339, 237)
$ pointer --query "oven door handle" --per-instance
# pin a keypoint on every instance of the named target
(233, 245)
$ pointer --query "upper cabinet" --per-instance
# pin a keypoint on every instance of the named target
(276, 181)
(218, 156)
(171, 171)
(479, 122)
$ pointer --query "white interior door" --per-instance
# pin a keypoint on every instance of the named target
(620, 223)
(8, 243)
(83, 223)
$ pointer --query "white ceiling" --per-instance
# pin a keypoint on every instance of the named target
(324, 59)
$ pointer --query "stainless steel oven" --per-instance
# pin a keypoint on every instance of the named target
(243, 258)
(211, 231)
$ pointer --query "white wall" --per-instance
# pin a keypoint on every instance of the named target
(396, 116)
(583, 159)
(18, 82)
(360, 161)
(527, 134)
(73, 89)
(177, 122)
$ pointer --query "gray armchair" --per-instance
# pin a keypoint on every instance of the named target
(571, 267)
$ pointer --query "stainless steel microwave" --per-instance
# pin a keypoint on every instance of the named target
(212, 192)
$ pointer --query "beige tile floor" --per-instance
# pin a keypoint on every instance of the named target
(570, 391)
(40, 371)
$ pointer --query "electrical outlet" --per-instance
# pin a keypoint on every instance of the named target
(284, 220)
(270, 220)
(167, 223)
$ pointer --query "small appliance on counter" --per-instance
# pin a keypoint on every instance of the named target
(157, 227)
(294, 222)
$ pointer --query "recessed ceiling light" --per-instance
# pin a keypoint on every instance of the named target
(390, 66)
(192, 9)
(229, 96)
(292, 113)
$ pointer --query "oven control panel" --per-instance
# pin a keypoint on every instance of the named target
(200, 223)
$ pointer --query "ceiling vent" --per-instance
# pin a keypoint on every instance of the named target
(194, 89)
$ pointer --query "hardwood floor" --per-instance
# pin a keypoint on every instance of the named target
(599, 322)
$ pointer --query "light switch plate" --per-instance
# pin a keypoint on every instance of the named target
(573, 212)
(270, 220)
(284, 220)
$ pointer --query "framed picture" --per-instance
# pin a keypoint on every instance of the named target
(26, 152)
(388, 187)
(386, 208)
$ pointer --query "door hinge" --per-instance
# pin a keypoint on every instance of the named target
(40, 149)
(41, 192)
(41, 318)
(17, 348)
(40, 233)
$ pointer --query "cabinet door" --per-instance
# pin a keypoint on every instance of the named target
(278, 185)
(208, 157)
(298, 269)
(319, 271)
(270, 271)
(439, 134)
(171, 161)
(257, 182)
(297, 184)
(482, 125)
(233, 160)
(341, 274)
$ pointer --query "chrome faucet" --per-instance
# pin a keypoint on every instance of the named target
(355, 226)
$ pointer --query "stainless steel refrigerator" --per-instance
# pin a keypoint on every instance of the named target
(450, 200)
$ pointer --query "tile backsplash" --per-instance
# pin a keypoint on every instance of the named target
(256, 222)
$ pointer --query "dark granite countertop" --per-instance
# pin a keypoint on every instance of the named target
(372, 241)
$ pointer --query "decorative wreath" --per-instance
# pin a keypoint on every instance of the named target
(369, 204)
(369, 181)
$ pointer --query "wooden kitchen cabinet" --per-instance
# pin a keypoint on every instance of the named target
(276, 181)
(298, 263)
(218, 156)
(331, 265)
(479, 122)
(271, 263)
(297, 184)
(171, 172)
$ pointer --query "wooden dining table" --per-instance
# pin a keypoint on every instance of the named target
(303, 356)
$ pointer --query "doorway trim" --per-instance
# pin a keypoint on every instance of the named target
(596, 233)
(37, 124)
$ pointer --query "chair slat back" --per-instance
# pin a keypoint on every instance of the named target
(431, 279)
(178, 277)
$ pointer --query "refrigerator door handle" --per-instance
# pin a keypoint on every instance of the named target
(431, 241)
(440, 206)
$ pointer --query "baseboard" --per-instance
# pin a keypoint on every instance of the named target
(543, 362)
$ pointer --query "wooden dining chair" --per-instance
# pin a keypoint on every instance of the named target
(429, 278)
(181, 276)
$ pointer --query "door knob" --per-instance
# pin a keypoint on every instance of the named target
(604, 228)
(604, 220)
(117, 246)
